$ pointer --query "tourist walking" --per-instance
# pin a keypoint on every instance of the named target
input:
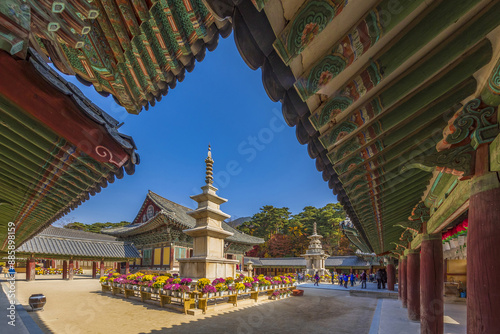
(333, 277)
(363, 280)
(352, 279)
(316, 279)
(378, 276)
(341, 279)
(384, 278)
(346, 280)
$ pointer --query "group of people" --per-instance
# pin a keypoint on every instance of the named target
(345, 279)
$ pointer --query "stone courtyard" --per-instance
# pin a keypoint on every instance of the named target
(325, 309)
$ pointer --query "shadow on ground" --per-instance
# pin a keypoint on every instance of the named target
(318, 311)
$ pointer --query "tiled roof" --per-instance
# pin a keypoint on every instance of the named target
(178, 213)
(61, 241)
(46, 148)
(332, 261)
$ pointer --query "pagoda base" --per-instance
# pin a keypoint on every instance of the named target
(211, 268)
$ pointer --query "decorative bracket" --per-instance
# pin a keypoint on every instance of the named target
(473, 125)
(420, 213)
(398, 246)
(458, 161)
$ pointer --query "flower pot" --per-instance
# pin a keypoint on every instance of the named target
(210, 294)
(247, 290)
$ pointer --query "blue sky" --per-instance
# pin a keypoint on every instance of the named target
(258, 160)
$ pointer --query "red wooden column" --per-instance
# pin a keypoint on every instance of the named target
(94, 269)
(431, 284)
(30, 269)
(71, 270)
(101, 269)
(77, 265)
(400, 261)
(402, 281)
(413, 284)
(127, 267)
(391, 275)
(483, 248)
(65, 270)
(53, 264)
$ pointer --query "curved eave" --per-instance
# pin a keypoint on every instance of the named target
(50, 161)
(420, 73)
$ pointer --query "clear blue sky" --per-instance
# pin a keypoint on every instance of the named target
(258, 160)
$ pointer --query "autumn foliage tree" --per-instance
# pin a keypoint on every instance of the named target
(286, 234)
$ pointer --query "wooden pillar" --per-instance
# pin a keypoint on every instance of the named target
(172, 256)
(413, 284)
(71, 270)
(445, 270)
(94, 269)
(77, 265)
(53, 264)
(391, 276)
(65, 270)
(400, 261)
(30, 269)
(101, 272)
(127, 267)
(431, 284)
(483, 252)
(402, 282)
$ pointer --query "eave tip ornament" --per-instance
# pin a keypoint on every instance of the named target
(209, 179)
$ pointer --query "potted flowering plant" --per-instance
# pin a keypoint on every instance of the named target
(186, 281)
(209, 290)
(264, 284)
(229, 280)
(179, 290)
(248, 286)
(167, 289)
(239, 287)
(221, 288)
(202, 282)
(275, 295)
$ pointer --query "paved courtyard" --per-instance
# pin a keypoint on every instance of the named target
(79, 307)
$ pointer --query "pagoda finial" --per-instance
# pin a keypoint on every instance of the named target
(209, 162)
(314, 228)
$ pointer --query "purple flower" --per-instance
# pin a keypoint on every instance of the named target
(248, 285)
(209, 289)
(167, 287)
(186, 281)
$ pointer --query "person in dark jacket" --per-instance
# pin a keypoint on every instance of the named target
(384, 278)
(363, 279)
(378, 276)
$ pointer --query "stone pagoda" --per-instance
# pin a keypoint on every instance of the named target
(315, 255)
(208, 235)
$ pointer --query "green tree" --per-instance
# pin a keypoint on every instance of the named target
(95, 227)
(268, 222)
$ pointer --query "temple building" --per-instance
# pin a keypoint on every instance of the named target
(338, 264)
(157, 232)
(70, 249)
